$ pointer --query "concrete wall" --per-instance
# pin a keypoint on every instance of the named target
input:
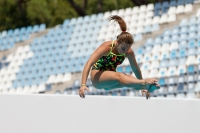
(97, 114)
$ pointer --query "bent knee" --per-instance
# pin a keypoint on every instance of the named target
(120, 76)
(131, 76)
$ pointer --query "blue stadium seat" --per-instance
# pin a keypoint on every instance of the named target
(43, 79)
(170, 90)
(147, 29)
(158, 40)
(183, 43)
(198, 43)
(123, 92)
(164, 63)
(157, 9)
(86, 19)
(141, 50)
(173, 3)
(164, 55)
(165, 6)
(148, 49)
(10, 33)
(175, 31)
(182, 52)
(191, 69)
(158, 6)
(181, 2)
(192, 28)
(66, 22)
(99, 24)
(93, 18)
(173, 54)
(128, 69)
(36, 28)
(166, 39)
(192, 21)
(183, 36)
(99, 16)
(184, 22)
(16, 31)
(192, 35)
(181, 78)
(180, 88)
(63, 69)
(198, 35)
(23, 30)
(198, 20)
(167, 32)
(189, 1)
(29, 29)
(80, 20)
(26, 74)
(184, 30)
(155, 27)
(174, 38)
(192, 44)
(138, 37)
(162, 81)
(29, 82)
(182, 60)
(37, 80)
(149, 42)
(172, 80)
(173, 62)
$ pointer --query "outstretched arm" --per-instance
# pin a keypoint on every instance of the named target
(131, 57)
(103, 49)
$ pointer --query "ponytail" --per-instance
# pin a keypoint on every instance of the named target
(120, 21)
(124, 36)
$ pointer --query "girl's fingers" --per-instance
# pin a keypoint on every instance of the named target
(81, 94)
(142, 93)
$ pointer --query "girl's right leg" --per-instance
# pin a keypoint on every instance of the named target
(106, 79)
(119, 85)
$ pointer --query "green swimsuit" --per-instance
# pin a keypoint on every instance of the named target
(109, 62)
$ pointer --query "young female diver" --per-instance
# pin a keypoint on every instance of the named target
(105, 59)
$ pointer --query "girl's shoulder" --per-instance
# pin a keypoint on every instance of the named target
(105, 47)
(106, 44)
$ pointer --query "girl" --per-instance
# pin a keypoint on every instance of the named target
(105, 59)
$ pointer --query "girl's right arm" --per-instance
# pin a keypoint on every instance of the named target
(102, 50)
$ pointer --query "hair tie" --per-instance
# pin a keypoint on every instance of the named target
(123, 31)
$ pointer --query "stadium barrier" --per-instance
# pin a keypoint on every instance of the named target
(48, 113)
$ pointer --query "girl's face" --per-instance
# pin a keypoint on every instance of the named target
(122, 48)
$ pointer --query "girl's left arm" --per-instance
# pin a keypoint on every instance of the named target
(131, 57)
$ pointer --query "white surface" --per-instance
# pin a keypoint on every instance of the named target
(97, 114)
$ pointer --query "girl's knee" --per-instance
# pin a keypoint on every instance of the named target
(131, 76)
(119, 76)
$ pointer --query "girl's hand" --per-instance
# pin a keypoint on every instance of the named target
(145, 92)
(151, 84)
(151, 81)
(81, 91)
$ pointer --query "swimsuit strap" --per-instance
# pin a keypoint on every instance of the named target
(112, 43)
(111, 48)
